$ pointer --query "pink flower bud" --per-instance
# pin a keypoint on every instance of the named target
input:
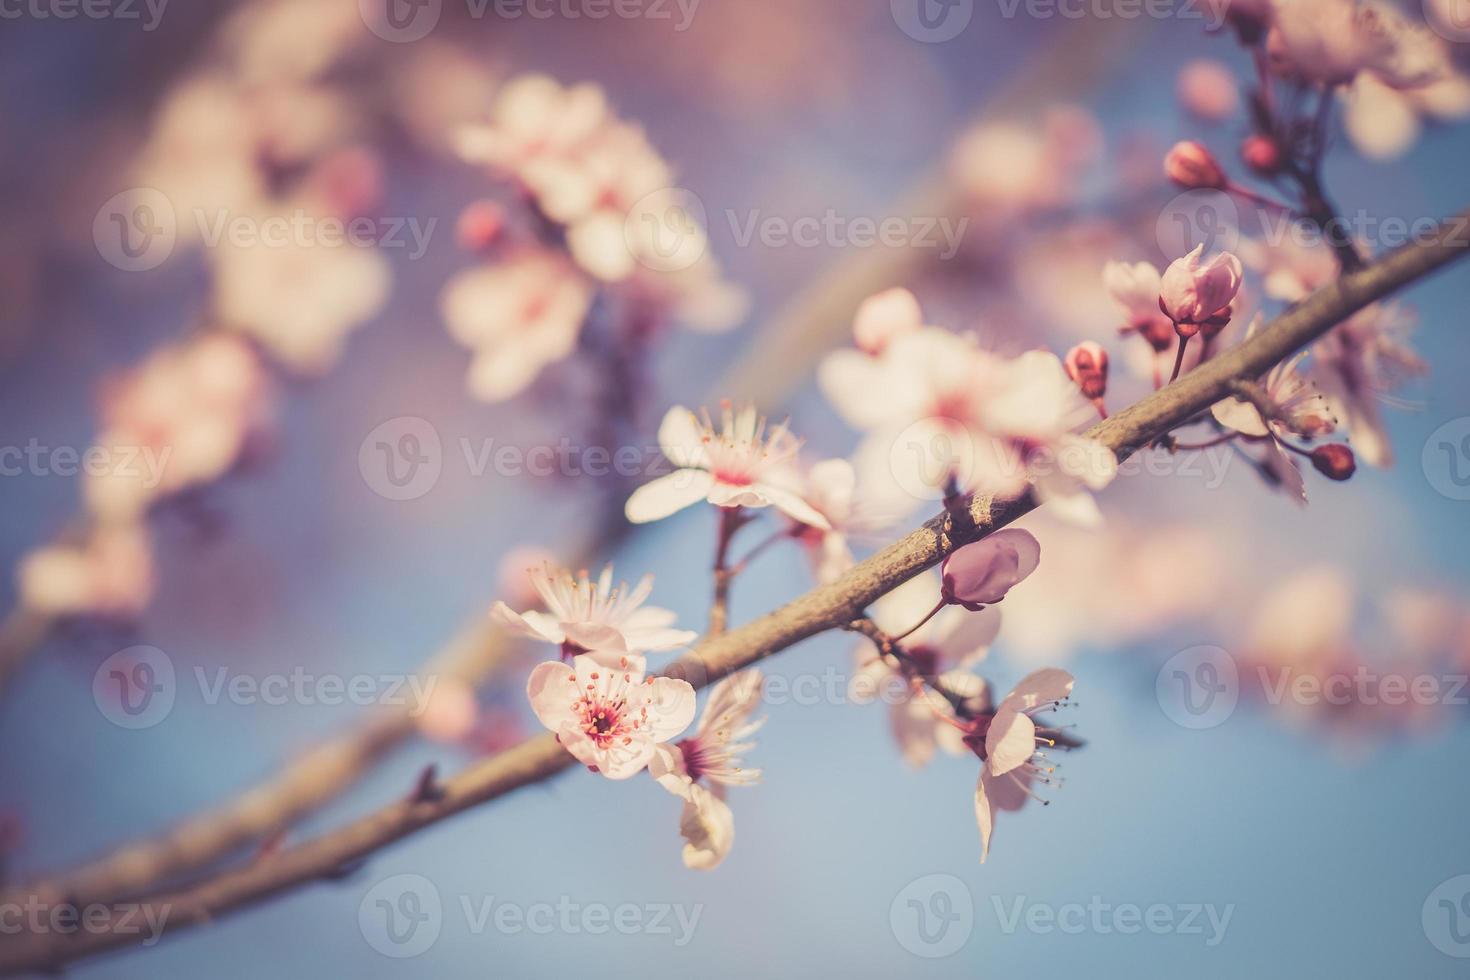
(1334, 461)
(480, 225)
(1087, 364)
(1262, 155)
(1190, 165)
(982, 573)
(883, 317)
(1192, 292)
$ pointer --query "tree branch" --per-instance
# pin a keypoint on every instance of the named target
(828, 607)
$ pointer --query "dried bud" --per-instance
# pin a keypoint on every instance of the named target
(1334, 461)
(1087, 364)
(982, 573)
(1262, 155)
(1192, 166)
(480, 225)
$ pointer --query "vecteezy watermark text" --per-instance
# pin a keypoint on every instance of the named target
(403, 916)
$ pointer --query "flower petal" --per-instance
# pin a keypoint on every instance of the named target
(657, 500)
(552, 690)
(1011, 740)
(708, 828)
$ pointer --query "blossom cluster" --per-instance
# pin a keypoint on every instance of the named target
(597, 218)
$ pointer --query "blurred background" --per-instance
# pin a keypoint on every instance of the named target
(1326, 835)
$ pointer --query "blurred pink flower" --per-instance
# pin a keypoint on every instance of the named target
(1356, 365)
(109, 575)
(944, 647)
(699, 768)
(1298, 407)
(884, 316)
(518, 316)
(1208, 89)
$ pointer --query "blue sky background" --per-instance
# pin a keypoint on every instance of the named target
(1324, 861)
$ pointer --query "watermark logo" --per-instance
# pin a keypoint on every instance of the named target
(401, 916)
(400, 21)
(135, 688)
(135, 230)
(1199, 687)
(665, 230)
(931, 456)
(1446, 459)
(932, 21)
(1205, 920)
(1446, 917)
(1200, 217)
(402, 458)
(933, 916)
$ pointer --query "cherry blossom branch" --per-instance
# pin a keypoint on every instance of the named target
(827, 607)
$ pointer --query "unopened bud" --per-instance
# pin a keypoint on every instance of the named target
(480, 225)
(1334, 461)
(1192, 166)
(1262, 155)
(1087, 364)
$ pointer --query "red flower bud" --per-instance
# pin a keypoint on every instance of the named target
(1334, 461)
(1262, 155)
(480, 225)
(1190, 165)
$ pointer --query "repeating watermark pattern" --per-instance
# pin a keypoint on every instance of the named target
(933, 916)
(1205, 920)
(148, 14)
(138, 687)
(932, 21)
(1214, 219)
(405, 21)
(1446, 459)
(1194, 218)
(404, 916)
(135, 688)
(404, 458)
(145, 464)
(930, 456)
(1199, 687)
(1212, 16)
(1446, 917)
(830, 229)
(136, 230)
(666, 230)
(37, 916)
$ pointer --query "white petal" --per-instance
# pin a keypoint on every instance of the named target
(657, 500)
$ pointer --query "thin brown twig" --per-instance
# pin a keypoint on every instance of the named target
(827, 607)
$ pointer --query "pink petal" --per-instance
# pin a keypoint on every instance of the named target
(1011, 740)
(552, 692)
(1042, 687)
(670, 704)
